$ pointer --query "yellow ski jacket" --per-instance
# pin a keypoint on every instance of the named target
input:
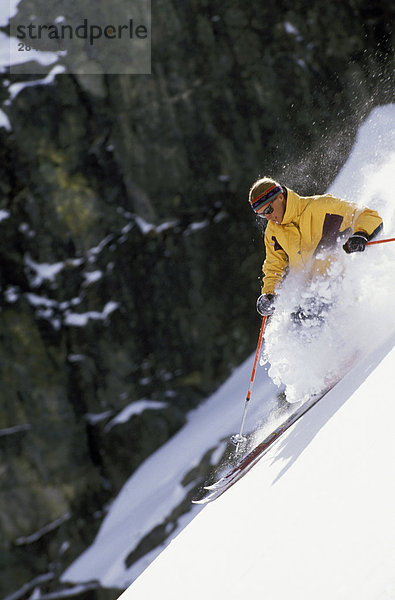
(311, 226)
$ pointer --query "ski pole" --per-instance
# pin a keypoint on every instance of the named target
(239, 438)
(381, 241)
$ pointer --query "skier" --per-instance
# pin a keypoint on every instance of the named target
(302, 233)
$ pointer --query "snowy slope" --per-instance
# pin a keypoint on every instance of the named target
(367, 323)
(155, 488)
(314, 519)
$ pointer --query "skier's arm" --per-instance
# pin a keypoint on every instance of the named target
(366, 226)
(361, 224)
(275, 265)
(368, 222)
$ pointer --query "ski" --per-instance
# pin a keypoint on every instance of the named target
(249, 460)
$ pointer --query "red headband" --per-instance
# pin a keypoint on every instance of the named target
(266, 197)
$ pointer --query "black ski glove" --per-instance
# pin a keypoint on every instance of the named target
(356, 243)
(265, 305)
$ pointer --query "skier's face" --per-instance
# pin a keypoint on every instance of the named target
(277, 211)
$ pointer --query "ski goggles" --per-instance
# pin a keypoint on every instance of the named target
(268, 210)
(267, 198)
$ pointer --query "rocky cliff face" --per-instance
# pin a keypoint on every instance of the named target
(129, 257)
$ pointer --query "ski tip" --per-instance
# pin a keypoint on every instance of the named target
(200, 501)
(205, 499)
(213, 486)
(218, 485)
